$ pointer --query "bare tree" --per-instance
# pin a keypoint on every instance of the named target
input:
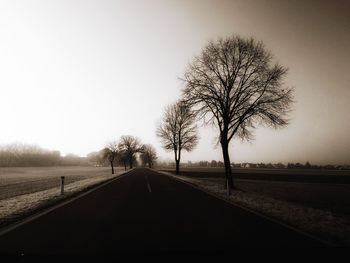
(177, 130)
(110, 152)
(130, 145)
(149, 155)
(123, 158)
(234, 84)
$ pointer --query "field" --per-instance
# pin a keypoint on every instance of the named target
(290, 175)
(322, 189)
(25, 190)
(322, 208)
(16, 181)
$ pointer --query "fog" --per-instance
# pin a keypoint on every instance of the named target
(78, 74)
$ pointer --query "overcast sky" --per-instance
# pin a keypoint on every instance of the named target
(77, 74)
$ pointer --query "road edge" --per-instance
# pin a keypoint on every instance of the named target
(257, 213)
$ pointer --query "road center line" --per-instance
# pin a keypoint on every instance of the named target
(148, 185)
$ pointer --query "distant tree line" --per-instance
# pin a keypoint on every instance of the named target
(127, 152)
(214, 163)
(25, 155)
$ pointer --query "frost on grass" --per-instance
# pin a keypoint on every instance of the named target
(321, 223)
(14, 207)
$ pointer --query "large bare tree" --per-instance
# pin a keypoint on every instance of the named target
(235, 85)
(177, 130)
(130, 145)
(149, 155)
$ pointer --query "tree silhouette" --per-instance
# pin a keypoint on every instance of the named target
(130, 145)
(177, 130)
(149, 155)
(123, 158)
(234, 85)
(110, 152)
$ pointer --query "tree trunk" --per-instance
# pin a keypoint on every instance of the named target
(130, 160)
(177, 161)
(124, 165)
(177, 166)
(228, 169)
(112, 167)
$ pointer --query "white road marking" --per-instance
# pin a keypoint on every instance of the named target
(148, 184)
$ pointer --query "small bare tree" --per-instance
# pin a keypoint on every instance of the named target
(234, 85)
(149, 155)
(177, 130)
(110, 152)
(130, 145)
(123, 158)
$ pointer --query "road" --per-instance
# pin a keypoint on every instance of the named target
(145, 211)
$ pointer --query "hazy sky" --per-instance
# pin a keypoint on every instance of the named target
(77, 74)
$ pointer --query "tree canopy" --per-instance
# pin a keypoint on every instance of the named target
(235, 85)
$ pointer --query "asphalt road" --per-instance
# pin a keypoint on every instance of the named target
(145, 211)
